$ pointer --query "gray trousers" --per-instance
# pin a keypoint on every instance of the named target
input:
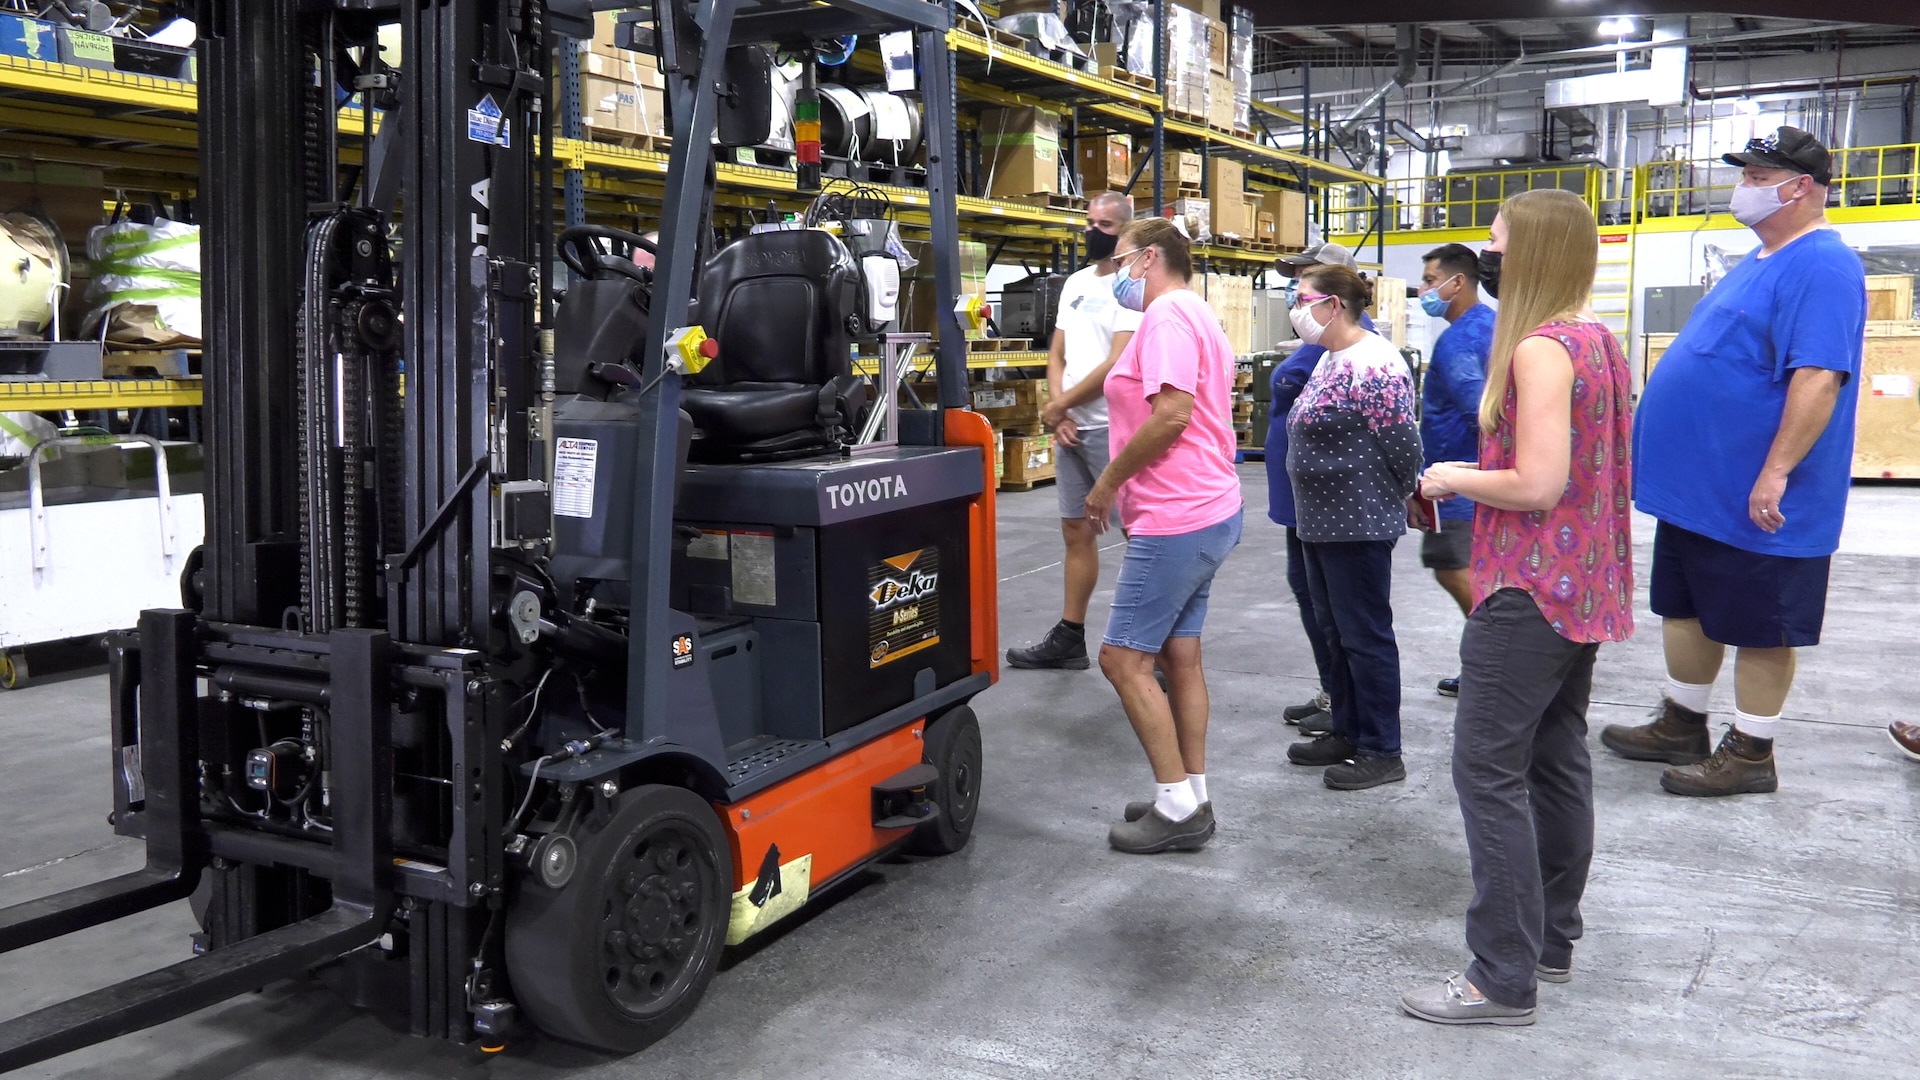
(1525, 782)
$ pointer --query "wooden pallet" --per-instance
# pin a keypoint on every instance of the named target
(1127, 78)
(1226, 131)
(1050, 201)
(1196, 119)
(628, 139)
(1186, 191)
(151, 363)
(992, 33)
(999, 344)
(1025, 485)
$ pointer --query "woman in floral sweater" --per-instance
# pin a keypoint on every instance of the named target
(1353, 454)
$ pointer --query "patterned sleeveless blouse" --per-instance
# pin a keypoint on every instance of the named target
(1575, 560)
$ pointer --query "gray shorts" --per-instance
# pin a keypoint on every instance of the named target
(1449, 549)
(1075, 468)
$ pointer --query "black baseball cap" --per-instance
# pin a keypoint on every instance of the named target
(1788, 148)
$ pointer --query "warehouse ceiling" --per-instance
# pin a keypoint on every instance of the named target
(1498, 40)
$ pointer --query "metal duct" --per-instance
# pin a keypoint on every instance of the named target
(1662, 82)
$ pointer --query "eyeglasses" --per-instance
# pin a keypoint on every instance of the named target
(1310, 299)
(1120, 257)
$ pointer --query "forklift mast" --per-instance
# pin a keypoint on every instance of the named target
(379, 741)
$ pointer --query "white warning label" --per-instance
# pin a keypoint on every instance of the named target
(574, 462)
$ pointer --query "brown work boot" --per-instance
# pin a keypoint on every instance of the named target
(1676, 736)
(1740, 765)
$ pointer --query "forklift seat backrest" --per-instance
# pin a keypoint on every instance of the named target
(779, 305)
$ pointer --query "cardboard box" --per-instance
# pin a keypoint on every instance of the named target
(1028, 458)
(1012, 404)
(611, 105)
(1184, 167)
(1021, 148)
(1105, 164)
(1209, 8)
(1229, 179)
(641, 68)
(1289, 210)
(1220, 101)
(1217, 45)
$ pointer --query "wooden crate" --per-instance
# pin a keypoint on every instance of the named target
(1656, 346)
(1889, 298)
(1012, 404)
(1389, 310)
(1028, 459)
(1887, 443)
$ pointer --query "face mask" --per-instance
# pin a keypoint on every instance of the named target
(1130, 291)
(1305, 325)
(1753, 205)
(1490, 272)
(1100, 245)
(1432, 304)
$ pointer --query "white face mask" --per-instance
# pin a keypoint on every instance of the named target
(1753, 205)
(1305, 325)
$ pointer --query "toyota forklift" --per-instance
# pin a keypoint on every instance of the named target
(517, 681)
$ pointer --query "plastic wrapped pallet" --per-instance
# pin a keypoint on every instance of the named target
(1240, 66)
(1186, 60)
(146, 285)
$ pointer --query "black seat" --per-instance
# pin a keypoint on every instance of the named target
(781, 306)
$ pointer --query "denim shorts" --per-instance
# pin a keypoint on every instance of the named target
(1163, 586)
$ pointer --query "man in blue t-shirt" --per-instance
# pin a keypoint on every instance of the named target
(1743, 450)
(1450, 410)
(1314, 716)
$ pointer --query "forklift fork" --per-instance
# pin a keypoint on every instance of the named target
(168, 733)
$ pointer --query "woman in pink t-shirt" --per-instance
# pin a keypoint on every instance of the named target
(1170, 407)
(1552, 570)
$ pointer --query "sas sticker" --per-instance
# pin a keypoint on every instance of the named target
(682, 650)
(903, 595)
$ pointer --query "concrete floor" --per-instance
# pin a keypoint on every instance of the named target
(1766, 936)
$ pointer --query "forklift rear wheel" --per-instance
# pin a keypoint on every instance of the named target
(13, 670)
(953, 747)
(620, 955)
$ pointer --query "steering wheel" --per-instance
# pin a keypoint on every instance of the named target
(581, 249)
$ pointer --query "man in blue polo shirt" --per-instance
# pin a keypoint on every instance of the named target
(1450, 410)
(1743, 450)
(1314, 716)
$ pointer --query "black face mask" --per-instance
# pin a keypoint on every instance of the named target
(1100, 244)
(1490, 273)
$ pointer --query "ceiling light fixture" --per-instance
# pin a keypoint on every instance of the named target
(1616, 28)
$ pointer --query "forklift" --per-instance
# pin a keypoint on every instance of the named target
(515, 681)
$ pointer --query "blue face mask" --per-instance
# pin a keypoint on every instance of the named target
(1431, 303)
(1129, 291)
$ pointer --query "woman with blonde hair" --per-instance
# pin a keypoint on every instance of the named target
(1552, 571)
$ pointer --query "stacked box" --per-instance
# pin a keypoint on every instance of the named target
(1021, 148)
(1011, 405)
(1289, 212)
(1209, 8)
(1227, 192)
(1240, 66)
(1186, 47)
(1183, 168)
(1231, 298)
(1106, 164)
(1026, 458)
(1219, 100)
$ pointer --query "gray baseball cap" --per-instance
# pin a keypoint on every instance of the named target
(1327, 254)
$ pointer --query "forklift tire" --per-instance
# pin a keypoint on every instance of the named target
(952, 747)
(13, 670)
(620, 955)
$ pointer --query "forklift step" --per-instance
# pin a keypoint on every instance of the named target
(902, 801)
(185, 987)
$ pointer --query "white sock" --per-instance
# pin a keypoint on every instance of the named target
(1175, 801)
(1198, 781)
(1689, 695)
(1759, 727)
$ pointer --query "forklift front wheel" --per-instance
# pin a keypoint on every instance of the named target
(13, 670)
(619, 956)
(952, 747)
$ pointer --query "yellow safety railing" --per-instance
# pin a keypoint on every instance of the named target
(1864, 176)
(1464, 200)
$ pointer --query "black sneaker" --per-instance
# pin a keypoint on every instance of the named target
(1293, 714)
(1323, 751)
(1063, 647)
(1365, 771)
(1320, 723)
(1449, 687)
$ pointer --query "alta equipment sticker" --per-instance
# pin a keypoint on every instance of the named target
(903, 595)
(574, 463)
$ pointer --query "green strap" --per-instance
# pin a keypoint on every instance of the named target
(170, 277)
(139, 295)
(25, 437)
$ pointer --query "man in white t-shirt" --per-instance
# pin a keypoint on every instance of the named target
(1089, 332)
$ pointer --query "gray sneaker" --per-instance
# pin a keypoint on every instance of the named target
(1138, 809)
(1553, 974)
(1453, 1003)
(1316, 725)
(1153, 833)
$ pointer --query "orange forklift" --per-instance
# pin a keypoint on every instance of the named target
(513, 684)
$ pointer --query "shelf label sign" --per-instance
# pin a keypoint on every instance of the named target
(487, 124)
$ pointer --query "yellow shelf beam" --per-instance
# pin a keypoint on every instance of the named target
(22, 76)
(98, 394)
